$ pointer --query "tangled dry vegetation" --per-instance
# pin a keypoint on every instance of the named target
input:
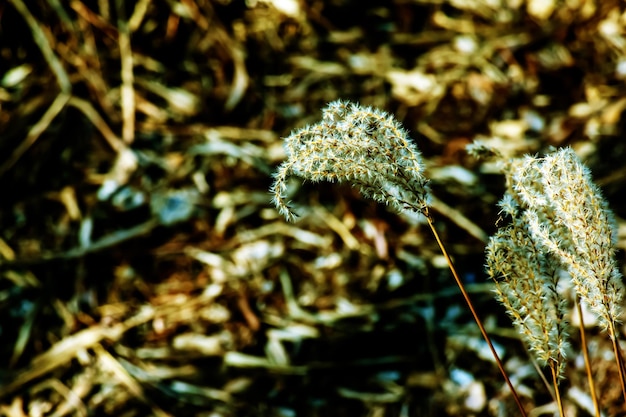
(144, 270)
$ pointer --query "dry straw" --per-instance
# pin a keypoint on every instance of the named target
(369, 149)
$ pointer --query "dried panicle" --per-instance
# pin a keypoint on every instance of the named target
(560, 222)
(526, 284)
(568, 217)
(360, 145)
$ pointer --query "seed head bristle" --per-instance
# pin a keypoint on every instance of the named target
(359, 145)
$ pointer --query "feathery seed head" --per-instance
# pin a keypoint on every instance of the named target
(569, 218)
(559, 222)
(364, 146)
(526, 285)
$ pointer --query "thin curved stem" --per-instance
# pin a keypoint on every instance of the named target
(475, 315)
(618, 358)
(585, 348)
(555, 382)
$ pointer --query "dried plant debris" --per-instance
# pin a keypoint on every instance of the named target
(145, 270)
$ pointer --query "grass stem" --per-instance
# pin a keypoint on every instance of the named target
(618, 357)
(475, 315)
(585, 349)
(557, 393)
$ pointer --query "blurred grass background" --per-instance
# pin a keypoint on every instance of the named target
(143, 270)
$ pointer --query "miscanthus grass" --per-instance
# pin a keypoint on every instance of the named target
(369, 149)
(560, 227)
(362, 146)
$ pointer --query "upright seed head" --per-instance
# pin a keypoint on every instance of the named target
(526, 285)
(569, 219)
(560, 222)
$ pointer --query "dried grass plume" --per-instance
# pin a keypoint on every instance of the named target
(559, 223)
(359, 145)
